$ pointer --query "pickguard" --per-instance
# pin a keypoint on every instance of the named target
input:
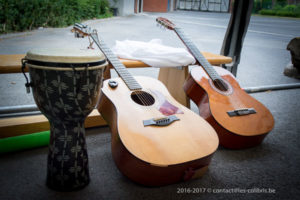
(164, 106)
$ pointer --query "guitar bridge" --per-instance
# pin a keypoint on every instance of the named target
(241, 112)
(165, 121)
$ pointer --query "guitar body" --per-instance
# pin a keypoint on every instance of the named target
(155, 155)
(235, 132)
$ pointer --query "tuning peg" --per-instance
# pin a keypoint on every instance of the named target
(77, 24)
(80, 25)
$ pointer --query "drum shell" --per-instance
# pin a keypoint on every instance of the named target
(68, 95)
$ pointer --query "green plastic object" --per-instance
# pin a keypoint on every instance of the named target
(22, 142)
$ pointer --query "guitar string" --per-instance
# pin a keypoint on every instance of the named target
(143, 98)
(94, 36)
(185, 39)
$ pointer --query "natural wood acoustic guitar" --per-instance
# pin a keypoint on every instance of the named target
(155, 140)
(240, 120)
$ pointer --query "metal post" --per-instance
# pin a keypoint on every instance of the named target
(272, 87)
(236, 31)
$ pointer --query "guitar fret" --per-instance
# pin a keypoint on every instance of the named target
(126, 77)
(122, 71)
(197, 54)
(114, 60)
(119, 66)
(132, 81)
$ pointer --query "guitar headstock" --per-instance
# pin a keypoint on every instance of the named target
(81, 30)
(166, 23)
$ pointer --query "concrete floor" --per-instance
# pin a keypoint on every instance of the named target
(274, 164)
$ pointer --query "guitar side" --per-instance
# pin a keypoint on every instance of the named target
(234, 132)
(152, 155)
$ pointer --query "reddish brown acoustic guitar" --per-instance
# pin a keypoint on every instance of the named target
(240, 120)
(155, 140)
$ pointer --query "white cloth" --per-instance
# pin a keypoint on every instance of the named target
(153, 53)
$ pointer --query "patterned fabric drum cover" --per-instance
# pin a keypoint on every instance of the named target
(66, 86)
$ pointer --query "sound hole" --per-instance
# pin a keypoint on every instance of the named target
(220, 84)
(142, 98)
(228, 91)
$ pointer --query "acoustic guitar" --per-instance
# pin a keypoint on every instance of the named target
(155, 140)
(240, 120)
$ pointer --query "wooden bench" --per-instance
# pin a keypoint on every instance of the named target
(173, 78)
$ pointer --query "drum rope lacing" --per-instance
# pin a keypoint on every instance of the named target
(27, 84)
(81, 80)
(25, 61)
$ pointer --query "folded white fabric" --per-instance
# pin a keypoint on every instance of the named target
(153, 53)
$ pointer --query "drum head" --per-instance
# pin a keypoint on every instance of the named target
(65, 58)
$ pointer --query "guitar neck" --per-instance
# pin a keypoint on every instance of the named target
(197, 54)
(122, 71)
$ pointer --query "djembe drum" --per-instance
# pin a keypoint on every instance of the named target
(66, 86)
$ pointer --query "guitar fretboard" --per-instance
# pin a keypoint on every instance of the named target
(122, 71)
(197, 54)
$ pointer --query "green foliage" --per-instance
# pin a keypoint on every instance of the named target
(281, 3)
(286, 11)
(20, 15)
(277, 7)
(267, 12)
(261, 4)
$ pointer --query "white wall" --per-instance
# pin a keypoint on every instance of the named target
(125, 7)
(205, 5)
